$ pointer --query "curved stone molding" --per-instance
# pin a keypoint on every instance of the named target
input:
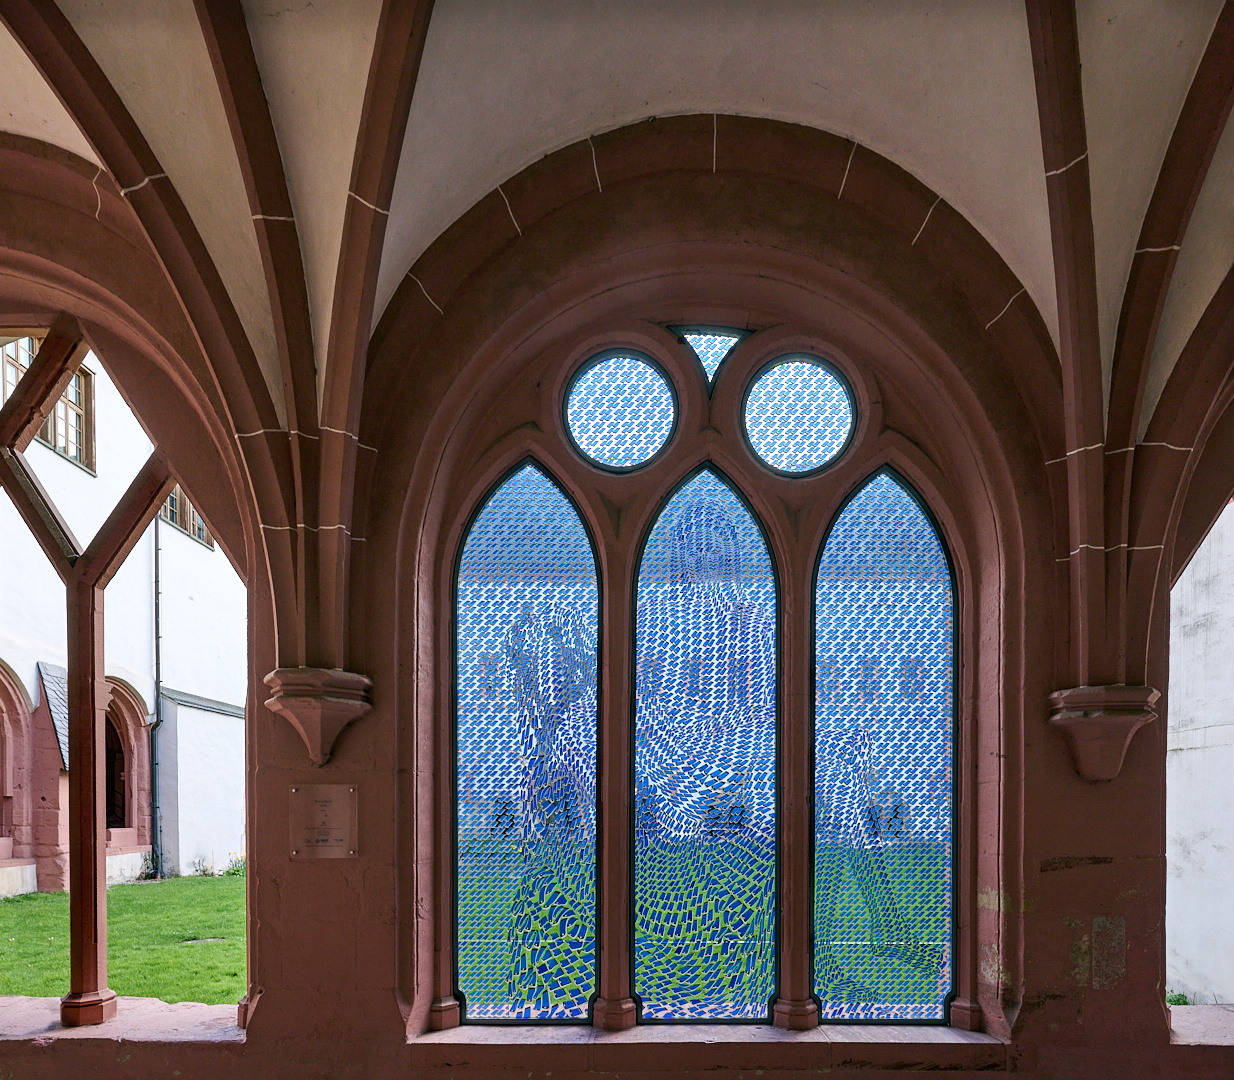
(1099, 722)
(318, 703)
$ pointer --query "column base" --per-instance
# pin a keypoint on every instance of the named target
(965, 1015)
(92, 1007)
(444, 1013)
(615, 1014)
(245, 1008)
(795, 1015)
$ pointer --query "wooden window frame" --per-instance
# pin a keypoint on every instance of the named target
(55, 431)
(181, 515)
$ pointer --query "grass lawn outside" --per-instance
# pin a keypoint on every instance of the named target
(181, 939)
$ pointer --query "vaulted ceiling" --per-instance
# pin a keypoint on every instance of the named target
(950, 92)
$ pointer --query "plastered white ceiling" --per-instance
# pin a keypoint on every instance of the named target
(1138, 59)
(1204, 259)
(314, 62)
(944, 89)
(29, 107)
(153, 53)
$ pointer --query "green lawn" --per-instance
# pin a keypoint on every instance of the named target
(154, 946)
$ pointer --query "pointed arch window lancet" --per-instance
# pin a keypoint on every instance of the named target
(705, 762)
(526, 609)
(884, 723)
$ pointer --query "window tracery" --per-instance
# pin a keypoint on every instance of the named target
(705, 629)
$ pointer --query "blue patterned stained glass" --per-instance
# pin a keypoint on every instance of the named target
(711, 349)
(883, 866)
(704, 762)
(526, 620)
(620, 411)
(798, 416)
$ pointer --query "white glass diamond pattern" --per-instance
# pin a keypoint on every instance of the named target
(798, 416)
(711, 349)
(620, 412)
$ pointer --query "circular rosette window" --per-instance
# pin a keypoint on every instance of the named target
(798, 415)
(620, 411)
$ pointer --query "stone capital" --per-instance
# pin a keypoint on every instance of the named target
(318, 703)
(1099, 722)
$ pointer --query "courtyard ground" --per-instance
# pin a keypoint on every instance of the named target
(181, 939)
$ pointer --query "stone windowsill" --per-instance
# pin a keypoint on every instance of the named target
(1202, 1025)
(702, 1046)
(137, 1019)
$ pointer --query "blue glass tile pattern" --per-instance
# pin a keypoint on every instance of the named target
(704, 762)
(711, 349)
(884, 726)
(526, 619)
(620, 412)
(798, 416)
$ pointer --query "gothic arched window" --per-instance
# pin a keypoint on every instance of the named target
(705, 479)
(704, 761)
(883, 761)
(525, 788)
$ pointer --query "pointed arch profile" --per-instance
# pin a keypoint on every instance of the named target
(526, 626)
(705, 739)
(884, 753)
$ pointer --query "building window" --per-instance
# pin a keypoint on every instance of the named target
(743, 620)
(178, 511)
(69, 429)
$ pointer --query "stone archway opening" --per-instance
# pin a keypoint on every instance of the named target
(1199, 762)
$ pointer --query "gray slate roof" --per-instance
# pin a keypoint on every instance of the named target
(55, 683)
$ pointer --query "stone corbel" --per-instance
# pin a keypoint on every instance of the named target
(1099, 722)
(318, 703)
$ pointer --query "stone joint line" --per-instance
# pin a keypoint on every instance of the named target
(425, 291)
(508, 209)
(1055, 172)
(362, 202)
(926, 219)
(1004, 311)
(846, 168)
(594, 165)
(137, 187)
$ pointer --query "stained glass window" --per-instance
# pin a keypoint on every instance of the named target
(526, 625)
(711, 349)
(883, 762)
(704, 761)
(798, 415)
(620, 411)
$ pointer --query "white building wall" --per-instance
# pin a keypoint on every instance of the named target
(201, 752)
(205, 620)
(202, 789)
(1199, 765)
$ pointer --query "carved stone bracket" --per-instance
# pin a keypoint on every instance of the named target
(1099, 722)
(318, 703)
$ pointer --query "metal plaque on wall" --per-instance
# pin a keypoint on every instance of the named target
(323, 821)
